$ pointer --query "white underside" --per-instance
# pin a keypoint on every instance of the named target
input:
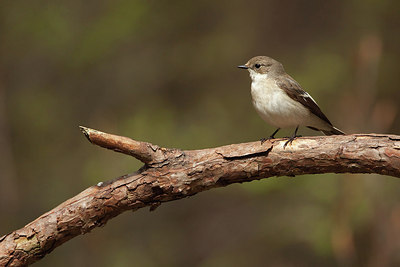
(277, 108)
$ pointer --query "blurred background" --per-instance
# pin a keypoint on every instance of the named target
(165, 72)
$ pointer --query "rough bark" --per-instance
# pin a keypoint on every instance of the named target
(171, 174)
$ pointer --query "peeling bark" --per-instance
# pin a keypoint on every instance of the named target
(171, 174)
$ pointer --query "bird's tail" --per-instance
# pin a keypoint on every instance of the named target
(333, 131)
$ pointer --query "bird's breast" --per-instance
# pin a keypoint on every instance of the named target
(275, 106)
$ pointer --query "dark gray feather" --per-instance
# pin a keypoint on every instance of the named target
(294, 91)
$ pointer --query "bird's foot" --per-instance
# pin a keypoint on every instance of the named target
(272, 136)
(290, 140)
(263, 140)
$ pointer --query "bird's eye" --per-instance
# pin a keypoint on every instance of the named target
(257, 66)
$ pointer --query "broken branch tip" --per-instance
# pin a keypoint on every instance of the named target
(85, 131)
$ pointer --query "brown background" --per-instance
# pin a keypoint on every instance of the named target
(165, 72)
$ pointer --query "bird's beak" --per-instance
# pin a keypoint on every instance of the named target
(243, 67)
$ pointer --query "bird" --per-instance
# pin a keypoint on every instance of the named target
(282, 102)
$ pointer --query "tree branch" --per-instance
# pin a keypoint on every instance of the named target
(171, 174)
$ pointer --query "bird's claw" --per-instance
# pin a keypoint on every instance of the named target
(290, 140)
(263, 140)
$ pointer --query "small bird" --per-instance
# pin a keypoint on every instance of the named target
(280, 100)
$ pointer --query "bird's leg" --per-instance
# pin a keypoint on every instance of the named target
(272, 136)
(290, 140)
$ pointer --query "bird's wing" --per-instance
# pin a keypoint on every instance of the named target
(294, 91)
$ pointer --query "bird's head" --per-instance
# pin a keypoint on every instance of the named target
(263, 66)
